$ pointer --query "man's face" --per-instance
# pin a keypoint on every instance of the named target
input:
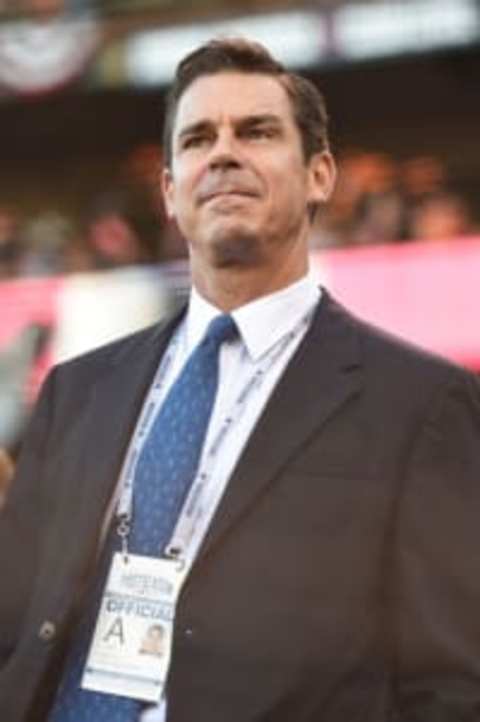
(238, 185)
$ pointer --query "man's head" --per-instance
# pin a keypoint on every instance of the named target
(242, 56)
(247, 162)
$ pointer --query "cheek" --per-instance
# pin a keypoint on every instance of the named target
(288, 188)
(183, 185)
(287, 172)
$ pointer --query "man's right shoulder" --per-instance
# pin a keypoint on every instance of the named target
(111, 351)
(132, 359)
(120, 349)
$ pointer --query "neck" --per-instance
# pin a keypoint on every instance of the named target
(230, 288)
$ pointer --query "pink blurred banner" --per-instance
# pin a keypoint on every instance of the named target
(46, 320)
(27, 304)
(427, 293)
(26, 301)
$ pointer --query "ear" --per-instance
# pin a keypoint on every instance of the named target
(168, 191)
(322, 176)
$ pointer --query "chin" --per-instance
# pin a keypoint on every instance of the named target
(236, 248)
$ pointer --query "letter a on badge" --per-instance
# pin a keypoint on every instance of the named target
(115, 631)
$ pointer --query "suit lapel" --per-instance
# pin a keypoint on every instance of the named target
(321, 376)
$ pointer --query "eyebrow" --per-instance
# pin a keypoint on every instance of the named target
(193, 128)
(264, 119)
(247, 121)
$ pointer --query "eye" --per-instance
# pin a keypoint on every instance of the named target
(193, 141)
(259, 132)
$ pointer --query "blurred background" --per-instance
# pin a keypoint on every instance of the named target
(86, 254)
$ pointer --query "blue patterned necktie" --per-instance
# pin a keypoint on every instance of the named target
(165, 471)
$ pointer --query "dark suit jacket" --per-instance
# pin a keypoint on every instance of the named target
(340, 579)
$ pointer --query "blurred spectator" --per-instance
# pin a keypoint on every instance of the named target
(113, 241)
(422, 176)
(10, 243)
(48, 238)
(380, 210)
(367, 206)
(123, 225)
(141, 173)
(77, 257)
(143, 168)
(43, 8)
(441, 216)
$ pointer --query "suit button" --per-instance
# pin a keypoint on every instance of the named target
(47, 631)
(188, 632)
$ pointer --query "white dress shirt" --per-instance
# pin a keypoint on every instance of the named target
(262, 325)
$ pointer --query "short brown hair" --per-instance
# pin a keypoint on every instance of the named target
(237, 54)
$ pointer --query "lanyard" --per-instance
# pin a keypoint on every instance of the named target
(194, 510)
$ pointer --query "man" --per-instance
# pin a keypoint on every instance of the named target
(324, 565)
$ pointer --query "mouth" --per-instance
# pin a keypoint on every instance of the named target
(226, 194)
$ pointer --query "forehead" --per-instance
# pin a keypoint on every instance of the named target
(232, 96)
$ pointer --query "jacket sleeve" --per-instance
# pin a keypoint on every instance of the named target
(23, 523)
(436, 594)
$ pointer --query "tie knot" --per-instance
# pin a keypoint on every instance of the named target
(222, 328)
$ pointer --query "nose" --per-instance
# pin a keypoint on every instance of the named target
(225, 153)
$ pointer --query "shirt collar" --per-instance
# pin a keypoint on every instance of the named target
(261, 322)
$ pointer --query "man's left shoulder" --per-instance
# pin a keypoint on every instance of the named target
(383, 349)
(398, 370)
